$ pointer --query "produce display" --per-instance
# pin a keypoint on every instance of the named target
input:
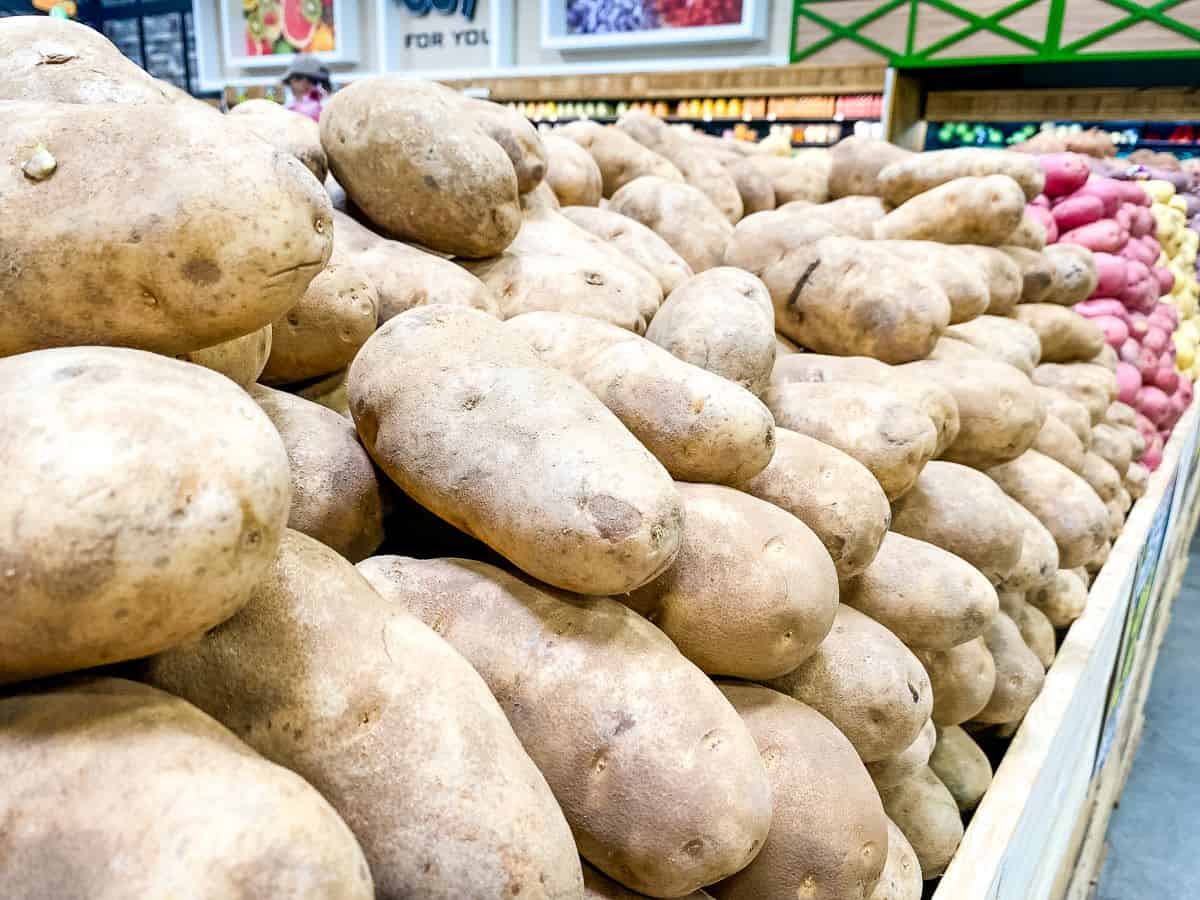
(622, 512)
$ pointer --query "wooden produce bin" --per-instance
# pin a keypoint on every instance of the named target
(1039, 832)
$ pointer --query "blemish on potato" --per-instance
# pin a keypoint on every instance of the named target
(201, 270)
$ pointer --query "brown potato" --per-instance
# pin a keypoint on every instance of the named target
(252, 829)
(856, 163)
(613, 715)
(541, 197)
(784, 345)
(956, 273)
(962, 680)
(963, 512)
(328, 391)
(1136, 477)
(1099, 473)
(1063, 599)
(241, 360)
(422, 166)
(1069, 411)
(920, 172)
(1037, 273)
(678, 213)
(148, 492)
(172, 270)
(867, 683)
(795, 177)
(948, 349)
(1075, 275)
(336, 495)
(700, 426)
(849, 216)
(1096, 563)
(1001, 338)
(872, 424)
(1121, 414)
(905, 764)
(961, 766)
(999, 412)
(1065, 335)
(602, 517)
(1019, 674)
(1057, 441)
(751, 593)
(1005, 279)
(1113, 447)
(721, 320)
(636, 241)
(620, 158)
(925, 811)
(1039, 554)
(1107, 357)
(286, 131)
(969, 210)
(830, 492)
(571, 172)
(598, 886)
(754, 187)
(828, 836)
(514, 133)
(1093, 386)
(901, 878)
(373, 713)
(1036, 629)
(1029, 234)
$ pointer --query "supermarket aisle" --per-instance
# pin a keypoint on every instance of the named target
(1154, 837)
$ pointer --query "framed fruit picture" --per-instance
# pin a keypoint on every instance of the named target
(584, 24)
(268, 33)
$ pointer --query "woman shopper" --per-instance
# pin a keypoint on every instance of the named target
(308, 82)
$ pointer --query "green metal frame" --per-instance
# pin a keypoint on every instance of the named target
(1048, 49)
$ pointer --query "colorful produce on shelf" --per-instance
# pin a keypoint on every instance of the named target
(616, 16)
(849, 106)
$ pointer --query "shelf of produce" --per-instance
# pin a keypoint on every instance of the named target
(1038, 831)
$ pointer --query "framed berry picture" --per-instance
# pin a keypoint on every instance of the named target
(583, 24)
(268, 33)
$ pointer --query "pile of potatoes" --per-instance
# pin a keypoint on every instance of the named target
(489, 535)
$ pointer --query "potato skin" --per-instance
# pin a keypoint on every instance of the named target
(420, 166)
(963, 679)
(1075, 275)
(1061, 500)
(752, 592)
(1005, 281)
(173, 270)
(515, 134)
(894, 769)
(678, 213)
(620, 158)
(804, 176)
(286, 131)
(1093, 386)
(253, 829)
(1069, 411)
(610, 745)
(828, 837)
(925, 811)
(336, 495)
(571, 172)
(961, 766)
(1057, 441)
(867, 683)
(958, 274)
(1065, 335)
(921, 172)
(1037, 273)
(871, 424)
(856, 163)
(754, 187)
(926, 596)
(636, 241)
(1101, 476)
(848, 216)
(1063, 599)
(354, 696)
(967, 210)
(1039, 554)
(700, 426)
(598, 886)
(1113, 447)
(829, 491)
(721, 320)
(241, 360)
(1003, 339)
(177, 486)
(1019, 674)
(901, 878)
(603, 517)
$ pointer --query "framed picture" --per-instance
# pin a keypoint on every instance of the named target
(444, 38)
(585, 24)
(268, 33)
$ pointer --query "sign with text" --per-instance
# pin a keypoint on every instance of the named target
(440, 35)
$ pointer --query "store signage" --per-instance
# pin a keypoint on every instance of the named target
(441, 38)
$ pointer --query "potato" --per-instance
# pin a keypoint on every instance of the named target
(925, 811)
(721, 320)
(963, 211)
(252, 829)
(965, 513)
(999, 412)
(678, 213)
(49, 60)
(336, 495)
(795, 177)
(901, 878)
(1133, 438)
(1120, 414)
(920, 172)
(619, 157)
(830, 492)
(1065, 335)
(1039, 554)
(328, 391)
(956, 273)
(241, 360)
(891, 771)
(1084, 576)
(921, 393)
(1103, 478)
(751, 593)
(571, 172)
(962, 680)
(754, 187)
(1057, 441)
(540, 198)
(1036, 631)
(176, 265)
(177, 492)
(515, 134)
(926, 596)
(784, 345)
(1005, 279)
(856, 163)
(1107, 357)
(948, 349)
(286, 131)
(1001, 338)
(554, 265)
(961, 766)
(613, 715)
(849, 216)
(601, 517)
(828, 835)
(700, 426)
(326, 327)
(867, 683)
(871, 424)
(1029, 233)
(423, 165)
(1093, 386)
(403, 276)
(636, 241)
(1069, 411)
(1037, 273)
(1063, 599)
(1019, 674)
(1096, 563)
(321, 674)
(1075, 275)
(1136, 476)
(1113, 447)
(598, 886)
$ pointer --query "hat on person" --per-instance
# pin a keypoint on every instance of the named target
(306, 66)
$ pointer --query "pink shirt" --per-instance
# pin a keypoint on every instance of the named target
(309, 105)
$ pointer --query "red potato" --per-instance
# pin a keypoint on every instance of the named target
(1132, 192)
(1136, 251)
(1106, 190)
(1065, 172)
(1113, 272)
(1042, 216)
(1104, 236)
(1076, 211)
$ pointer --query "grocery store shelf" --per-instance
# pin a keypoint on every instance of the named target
(721, 120)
